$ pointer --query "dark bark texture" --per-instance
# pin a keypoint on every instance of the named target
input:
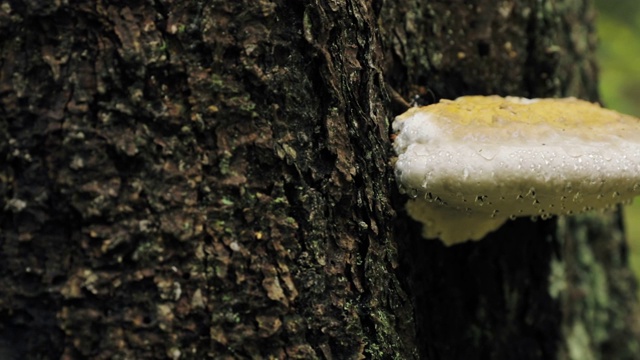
(213, 179)
(197, 179)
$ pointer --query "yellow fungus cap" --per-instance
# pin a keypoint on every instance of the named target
(472, 163)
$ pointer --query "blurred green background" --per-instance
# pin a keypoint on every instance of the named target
(618, 26)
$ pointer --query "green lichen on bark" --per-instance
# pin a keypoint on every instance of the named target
(598, 297)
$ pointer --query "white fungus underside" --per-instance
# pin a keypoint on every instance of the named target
(466, 180)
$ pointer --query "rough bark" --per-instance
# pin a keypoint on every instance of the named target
(189, 179)
(197, 179)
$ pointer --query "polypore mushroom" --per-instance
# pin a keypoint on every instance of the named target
(472, 163)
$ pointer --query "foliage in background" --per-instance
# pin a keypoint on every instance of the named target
(618, 25)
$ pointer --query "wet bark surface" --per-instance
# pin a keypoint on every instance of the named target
(197, 179)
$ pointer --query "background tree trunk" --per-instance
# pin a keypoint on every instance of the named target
(195, 180)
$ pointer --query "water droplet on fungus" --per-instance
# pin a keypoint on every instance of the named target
(429, 197)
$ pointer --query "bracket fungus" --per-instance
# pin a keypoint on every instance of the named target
(471, 164)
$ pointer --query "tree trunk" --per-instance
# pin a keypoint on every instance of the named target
(194, 180)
